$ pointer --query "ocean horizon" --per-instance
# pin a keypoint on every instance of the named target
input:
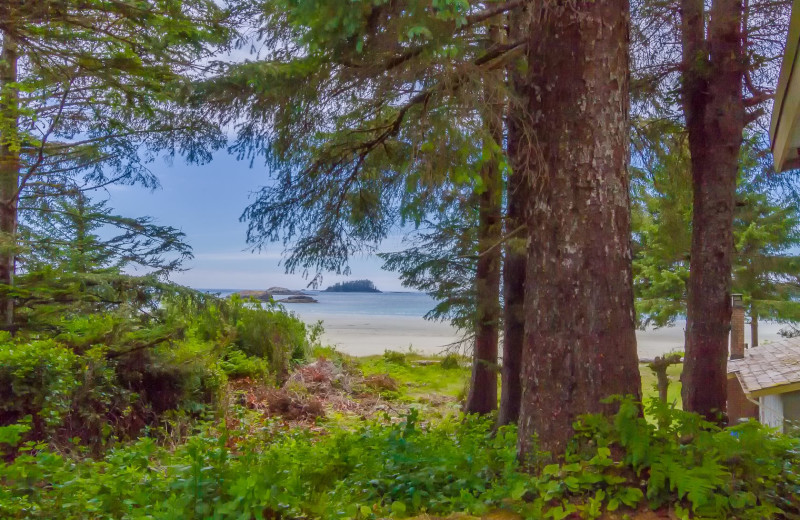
(387, 303)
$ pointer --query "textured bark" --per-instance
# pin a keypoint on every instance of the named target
(580, 343)
(515, 256)
(713, 72)
(9, 173)
(659, 366)
(482, 396)
(514, 267)
(753, 326)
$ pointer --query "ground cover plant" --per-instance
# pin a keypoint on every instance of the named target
(302, 434)
(98, 378)
(251, 466)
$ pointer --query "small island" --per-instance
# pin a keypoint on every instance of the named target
(298, 299)
(354, 286)
(272, 292)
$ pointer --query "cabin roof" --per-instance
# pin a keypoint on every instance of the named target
(769, 369)
(785, 124)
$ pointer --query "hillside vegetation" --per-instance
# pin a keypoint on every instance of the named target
(353, 286)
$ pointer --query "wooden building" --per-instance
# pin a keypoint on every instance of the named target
(785, 125)
(763, 382)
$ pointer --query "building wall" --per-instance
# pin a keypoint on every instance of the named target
(771, 411)
(791, 411)
(739, 407)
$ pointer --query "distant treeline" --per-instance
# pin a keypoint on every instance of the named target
(353, 286)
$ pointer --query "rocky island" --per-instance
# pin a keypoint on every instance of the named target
(354, 286)
(298, 298)
(272, 292)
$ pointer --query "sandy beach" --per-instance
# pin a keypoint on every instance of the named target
(364, 335)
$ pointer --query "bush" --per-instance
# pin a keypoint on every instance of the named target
(392, 356)
(264, 331)
(39, 379)
(255, 471)
(451, 361)
(248, 467)
(687, 463)
(107, 376)
(236, 364)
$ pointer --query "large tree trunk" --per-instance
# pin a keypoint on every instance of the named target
(515, 258)
(715, 115)
(9, 175)
(483, 385)
(514, 298)
(580, 343)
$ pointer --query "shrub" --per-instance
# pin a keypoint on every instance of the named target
(237, 364)
(392, 356)
(37, 378)
(451, 361)
(746, 471)
(256, 470)
(111, 375)
(252, 468)
(264, 331)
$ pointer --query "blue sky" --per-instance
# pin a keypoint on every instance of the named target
(205, 203)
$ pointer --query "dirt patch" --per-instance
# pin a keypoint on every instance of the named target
(319, 387)
(294, 407)
(381, 382)
(277, 402)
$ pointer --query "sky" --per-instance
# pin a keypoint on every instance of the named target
(205, 202)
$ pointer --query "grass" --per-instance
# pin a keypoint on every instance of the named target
(649, 388)
(415, 377)
(418, 381)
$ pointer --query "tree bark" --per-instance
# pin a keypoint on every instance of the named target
(715, 117)
(514, 267)
(659, 366)
(515, 257)
(9, 174)
(580, 343)
(482, 396)
(753, 326)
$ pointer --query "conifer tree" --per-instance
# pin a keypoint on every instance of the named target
(720, 56)
(401, 105)
(78, 257)
(367, 111)
(580, 344)
(74, 234)
(89, 92)
(766, 230)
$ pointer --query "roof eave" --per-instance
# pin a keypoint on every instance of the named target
(786, 108)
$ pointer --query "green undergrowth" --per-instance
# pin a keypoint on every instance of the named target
(248, 467)
(420, 377)
(649, 388)
(102, 378)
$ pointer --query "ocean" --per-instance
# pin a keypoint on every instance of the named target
(369, 323)
(368, 304)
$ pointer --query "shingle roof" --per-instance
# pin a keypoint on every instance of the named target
(768, 366)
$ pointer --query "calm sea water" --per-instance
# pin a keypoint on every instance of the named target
(369, 304)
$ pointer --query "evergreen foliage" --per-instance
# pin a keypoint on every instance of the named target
(766, 231)
(74, 234)
(441, 259)
(90, 93)
(353, 286)
(252, 467)
(100, 378)
(365, 116)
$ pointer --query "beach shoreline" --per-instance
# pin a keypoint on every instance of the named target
(372, 334)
